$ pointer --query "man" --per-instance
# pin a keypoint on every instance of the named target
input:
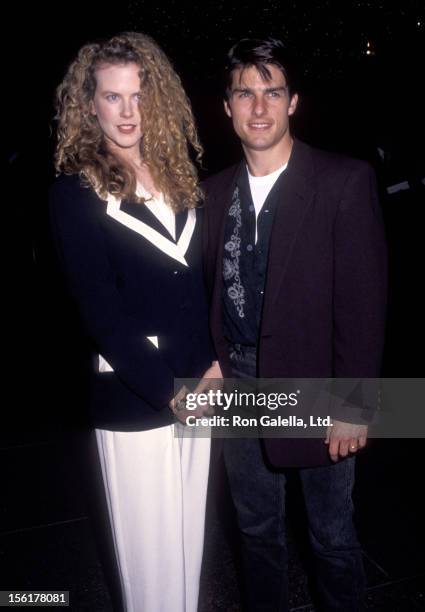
(296, 267)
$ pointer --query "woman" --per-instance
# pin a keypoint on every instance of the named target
(127, 229)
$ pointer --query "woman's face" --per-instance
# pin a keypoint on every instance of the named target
(116, 106)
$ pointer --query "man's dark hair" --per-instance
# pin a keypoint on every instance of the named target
(258, 53)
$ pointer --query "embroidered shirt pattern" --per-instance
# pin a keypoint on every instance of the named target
(235, 291)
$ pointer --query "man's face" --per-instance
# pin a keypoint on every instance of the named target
(260, 109)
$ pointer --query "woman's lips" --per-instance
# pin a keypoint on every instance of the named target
(126, 129)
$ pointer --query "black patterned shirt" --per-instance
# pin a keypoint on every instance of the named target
(245, 262)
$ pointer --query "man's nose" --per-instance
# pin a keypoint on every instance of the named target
(259, 107)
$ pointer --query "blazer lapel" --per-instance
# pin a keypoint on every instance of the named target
(176, 250)
(295, 194)
(143, 213)
(184, 237)
(181, 219)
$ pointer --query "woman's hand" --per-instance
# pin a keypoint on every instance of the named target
(212, 379)
(178, 403)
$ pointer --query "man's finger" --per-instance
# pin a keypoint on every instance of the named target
(333, 449)
(362, 441)
(354, 445)
(328, 435)
(343, 447)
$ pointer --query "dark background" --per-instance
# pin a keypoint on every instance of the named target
(362, 89)
(360, 62)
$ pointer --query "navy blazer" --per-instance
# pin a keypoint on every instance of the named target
(141, 297)
(325, 294)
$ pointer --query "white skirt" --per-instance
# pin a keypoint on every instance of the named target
(156, 486)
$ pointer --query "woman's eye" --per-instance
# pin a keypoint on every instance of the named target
(112, 97)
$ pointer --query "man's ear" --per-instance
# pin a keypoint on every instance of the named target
(293, 104)
(227, 108)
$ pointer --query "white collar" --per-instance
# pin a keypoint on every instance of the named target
(266, 178)
(175, 250)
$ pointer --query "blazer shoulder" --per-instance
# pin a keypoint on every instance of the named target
(69, 192)
(72, 185)
(65, 184)
(338, 164)
(219, 181)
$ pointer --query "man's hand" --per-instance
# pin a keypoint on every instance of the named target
(345, 438)
(211, 379)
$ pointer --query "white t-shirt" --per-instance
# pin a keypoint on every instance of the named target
(260, 187)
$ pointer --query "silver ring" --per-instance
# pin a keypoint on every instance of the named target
(181, 404)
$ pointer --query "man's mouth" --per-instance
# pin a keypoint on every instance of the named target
(259, 125)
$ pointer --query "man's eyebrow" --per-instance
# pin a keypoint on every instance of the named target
(266, 90)
(278, 88)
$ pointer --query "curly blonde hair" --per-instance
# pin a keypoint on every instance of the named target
(168, 124)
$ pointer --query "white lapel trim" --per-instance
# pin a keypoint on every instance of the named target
(187, 232)
(104, 366)
(176, 251)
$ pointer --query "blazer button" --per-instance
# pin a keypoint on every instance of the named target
(175, 272)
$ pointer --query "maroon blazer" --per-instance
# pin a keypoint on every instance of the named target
(325, 294)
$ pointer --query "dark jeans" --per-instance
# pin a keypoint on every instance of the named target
(259, 496)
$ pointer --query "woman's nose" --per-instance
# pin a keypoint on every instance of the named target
(127, 109)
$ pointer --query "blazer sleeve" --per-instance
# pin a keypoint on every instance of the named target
(360, 278)
(79, 239)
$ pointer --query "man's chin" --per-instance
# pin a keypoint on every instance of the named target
(258, 144)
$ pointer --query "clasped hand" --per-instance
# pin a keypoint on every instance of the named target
(211, 380)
